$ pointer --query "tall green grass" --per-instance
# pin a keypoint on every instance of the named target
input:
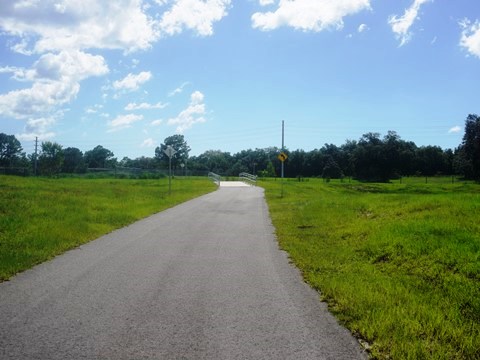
(398, 264)
(41, 218)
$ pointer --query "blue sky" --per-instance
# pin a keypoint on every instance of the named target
(224, 73)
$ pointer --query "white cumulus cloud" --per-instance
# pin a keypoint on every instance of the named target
(309, 15)
(59, 33)
(455, 130)
(197, 98)
(401, 25)
(55, 82)
(193, 114)
(38, 127)
(41, 98)
(55, 25)
(123, 122)
(73, 65)
(148, 143)
(362, 28)
(145, 106)
(470, 38)
(178, 90)
(266, 2)
(132, 82)
(93, 109)
(195, 15)
(157, 122)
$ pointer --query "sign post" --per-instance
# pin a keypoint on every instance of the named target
(169, 151)
(282, 157)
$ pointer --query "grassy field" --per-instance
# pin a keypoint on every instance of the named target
(41, 218)
(399, 264)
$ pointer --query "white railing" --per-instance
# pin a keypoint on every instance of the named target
(215, 178)
(249, 178)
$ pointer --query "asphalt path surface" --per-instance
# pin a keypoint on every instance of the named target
(203, 280)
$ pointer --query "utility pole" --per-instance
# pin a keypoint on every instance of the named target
(36, 155)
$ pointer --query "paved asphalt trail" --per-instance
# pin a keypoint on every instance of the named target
(203, 280)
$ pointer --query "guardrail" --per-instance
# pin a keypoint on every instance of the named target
(215, 178)
(249, 178)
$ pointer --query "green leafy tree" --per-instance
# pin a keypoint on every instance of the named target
(99, 157)
(371, 160)
(251, 161)
(141, 162)
(314, 162)
(73, 161)
(215, 160)
(332, 170)
(126, 162)
(346, 162)
(10, 150)
(469, 150)
(238, 168)
(431, 160)
(178, 143)
(400, 154)
(296, 163)
(270, 170)
(51, 158)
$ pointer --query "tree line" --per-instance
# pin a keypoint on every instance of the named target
(371, 158)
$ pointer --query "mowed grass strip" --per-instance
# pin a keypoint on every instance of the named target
(41, 218)
(399, 265)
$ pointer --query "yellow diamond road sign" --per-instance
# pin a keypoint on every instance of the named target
(282, 157)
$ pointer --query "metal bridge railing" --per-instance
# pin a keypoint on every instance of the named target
(215, 178)
(249, 178)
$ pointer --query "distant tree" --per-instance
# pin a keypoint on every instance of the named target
(333, 156)
(460, 165)
(73, 161)
(214, 160)
(391, 146)
(407, 158)
(314, 162)
(22, 161)
(238, 168)
(469, 150)
(51, 158)
(178, 143)
(270, 170)
(99, 157)
(126, 162)
(346, 163)
(431, 160)
(371, 160)
(271, 156)
(400, 154)
(296, 163)
(448, 161)
(254, 160)
(10, 150)
(144, 162)
(332, 170)
(248, 161)
(141, 162)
